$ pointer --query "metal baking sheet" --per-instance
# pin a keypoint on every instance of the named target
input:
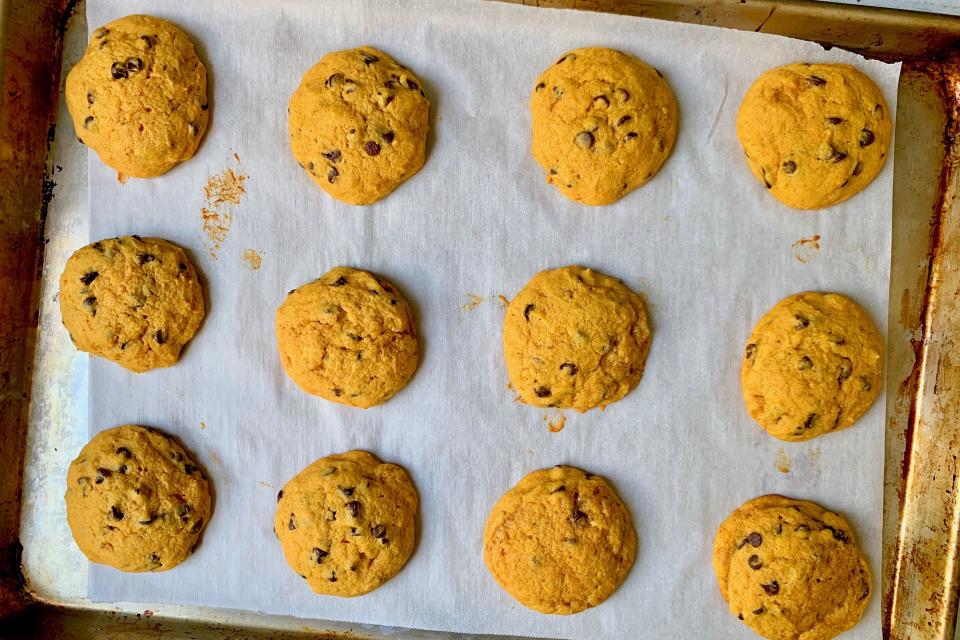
(919, 566)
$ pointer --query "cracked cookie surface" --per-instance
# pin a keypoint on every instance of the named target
(814, 134)
(135, 301)
(136, 500)
(790, 569)
(603, 124)
(348, 337)
(358, 124)
(812, 365)
(138, 96)
(575, 338)
(560, 541)
(346, 523)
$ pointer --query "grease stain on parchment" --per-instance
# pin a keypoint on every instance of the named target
(782, 463)
(253, 259)
(473, 302)
(221, 195)
(806, 249)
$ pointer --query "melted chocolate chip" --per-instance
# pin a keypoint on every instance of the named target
(379, 531)
(809, 422)
(542, 392)
(89, 277)
(347, 491)
(339, 282)
(368, 59)
(800, 322)
(754, 562)
(526, 311)
(866, 138)
(292, 524)
(754, 539)
(353, 507)
(318, 555)
(816, 81)
(133, 65)
(772, 588)
(279, 495)
(584, 140)
(123, 451)
(116, 513)
(118, 70)
(571, 368)
(159, 337)
(332, 175)
(144, 258)
(751, 350)
(844, 369)
(332, 156)
(789, 166)
(804, 363)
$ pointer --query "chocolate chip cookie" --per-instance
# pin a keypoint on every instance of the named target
(814, 134)
(560, 541)
(138, 96)
(348, 337)
(358, 124)
(136, 500)
(575, 338)
(603, 124)
(346, 523)
(135, 301)
(790, 569)
(812, 365)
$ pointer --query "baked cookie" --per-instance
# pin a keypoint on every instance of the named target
(358, 124)
(574, 338)
(812, 365)
(348, 337)
(346, 523)
(138, 96)
(603, 124)
(136, 500)
(135, 301)
(561, 541)
(814, 134)
(791, 570)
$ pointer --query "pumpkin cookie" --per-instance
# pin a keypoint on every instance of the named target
(814, 134)
(136, 500)
(348, 337)
(346, 523)
(561, 541)
(791, 570)
(138, 96)
(812, 365)
(358, 124)
(135, 301)
(574, 338)
(603, 124)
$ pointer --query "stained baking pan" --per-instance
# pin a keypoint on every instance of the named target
(39, 409)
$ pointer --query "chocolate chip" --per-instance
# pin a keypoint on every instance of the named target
(633, 134)
(333, 577)
(154, 559)
(622, 94)
(331, 515)
(835, 155)
(865, 383)
(801, 322)
(90, 97)
(540, 86)
(760, 611)
(751, 350)
(123, 451)
(279, 495)
(182, 267)
(101, 475)
(332, 175)
(103, 31)
(526, 311)
(337, 391)
(189, 469)
(816, 81)
(177, 456)
(559, 489)
(148, 41)
(571, 368)
(844, 370)
(192, 129)
(809, 422)
(857, 168)
(184, 512)
(159, 337)
(118, 70)
(149, 520)
(584, 140)
(123, 468)
(739, 616)
(579, 518)
(864, 590)
(368, 59)
(561, 59)
(354, 532)
(89, 120)
(601, 101)
(133, 65)
(144, 258)
(116, 513)
(623, 120)
(339, 282)
(542, 392)
(335, 79)
(347, 491)
(332, 156)
(318, 555)
(866, 138)
(388, 137)
(292, 524)
(89, 277)
(804, 363)
(372, 148)
(754, 562)
(754, 539)
(837, 534)
(196, 527)
(802, 530)
(834, 120)
(353, 507)
(378, 531)
(772, 588)
(789, 166)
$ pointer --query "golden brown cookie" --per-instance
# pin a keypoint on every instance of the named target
(136, 500)
(358, 124)
(138, 96)
(575, 338)
(348, 337)
(812, 365)
(346, 523)
(791, 570)
(814, 134)
(603, 124)
(135, 301)
(560, 541)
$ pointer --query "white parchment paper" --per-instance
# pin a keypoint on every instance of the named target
(703, 242)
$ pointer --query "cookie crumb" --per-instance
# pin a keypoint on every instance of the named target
(253, 259)
(203, 425)
(806, 249)
(121, 177)
(557, 427)
(783, 461)
(222, 193)
(475, 301)
(503, 300)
